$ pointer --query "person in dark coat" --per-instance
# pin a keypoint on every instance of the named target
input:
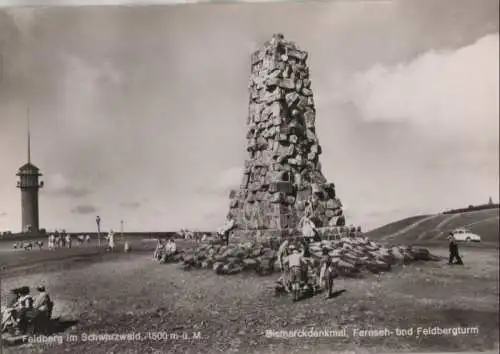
(328, 273)
(24, 307)
(453, 246)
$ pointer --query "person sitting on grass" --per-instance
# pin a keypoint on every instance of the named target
(24, 306)
(170, 248)
(43, 303)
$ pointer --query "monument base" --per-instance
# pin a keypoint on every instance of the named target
(278, 235)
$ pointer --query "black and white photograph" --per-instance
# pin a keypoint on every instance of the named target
(249, 176)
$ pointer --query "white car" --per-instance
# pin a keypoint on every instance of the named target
(465, 235)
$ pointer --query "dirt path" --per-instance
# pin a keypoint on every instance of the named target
(442, 232)
(408, 228)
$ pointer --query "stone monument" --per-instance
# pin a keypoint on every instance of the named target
(282, 179)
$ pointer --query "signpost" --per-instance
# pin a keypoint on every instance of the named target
(98, 222)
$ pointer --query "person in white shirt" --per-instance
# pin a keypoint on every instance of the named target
(52, 240)
(111, 240)
(309, 211)
(43, 302)
(68, 240)
(225, 230)
(308, 229)
(295, 263)
(170, 247)
(282, 254)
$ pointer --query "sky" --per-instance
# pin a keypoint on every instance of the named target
(138, 113)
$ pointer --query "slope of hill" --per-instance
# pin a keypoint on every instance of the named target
(433, 229)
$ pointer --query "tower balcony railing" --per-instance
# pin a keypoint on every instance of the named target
(30, 184)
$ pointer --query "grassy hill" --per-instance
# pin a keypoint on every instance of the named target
(433, 229)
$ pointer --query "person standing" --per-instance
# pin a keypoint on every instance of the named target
(282, 254)
(453, 247)
(295, 268)
(111, 240)
(227, 228)
(327, 274)
(309, 210)
(51, 242)
(68, 240)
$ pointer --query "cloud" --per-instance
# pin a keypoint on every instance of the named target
(130, 205)
(227, 180)
(60, 186)
(73, 192)
(443, 93)
(84, 209)
(8, 3)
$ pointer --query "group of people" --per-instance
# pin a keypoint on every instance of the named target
(297, 267)
(65, 240)
(62, 239)
(21, 307)
(28, 245)
(164, 250)
(59, 240)
(296, 262)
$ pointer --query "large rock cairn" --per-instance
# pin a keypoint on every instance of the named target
(282, 172)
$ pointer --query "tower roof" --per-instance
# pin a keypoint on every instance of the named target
(28, 167)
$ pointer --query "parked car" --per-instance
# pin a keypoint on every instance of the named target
(464, 235)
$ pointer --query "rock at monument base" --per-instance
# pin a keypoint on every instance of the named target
(351, 256)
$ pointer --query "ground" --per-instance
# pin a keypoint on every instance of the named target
(123, 293)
